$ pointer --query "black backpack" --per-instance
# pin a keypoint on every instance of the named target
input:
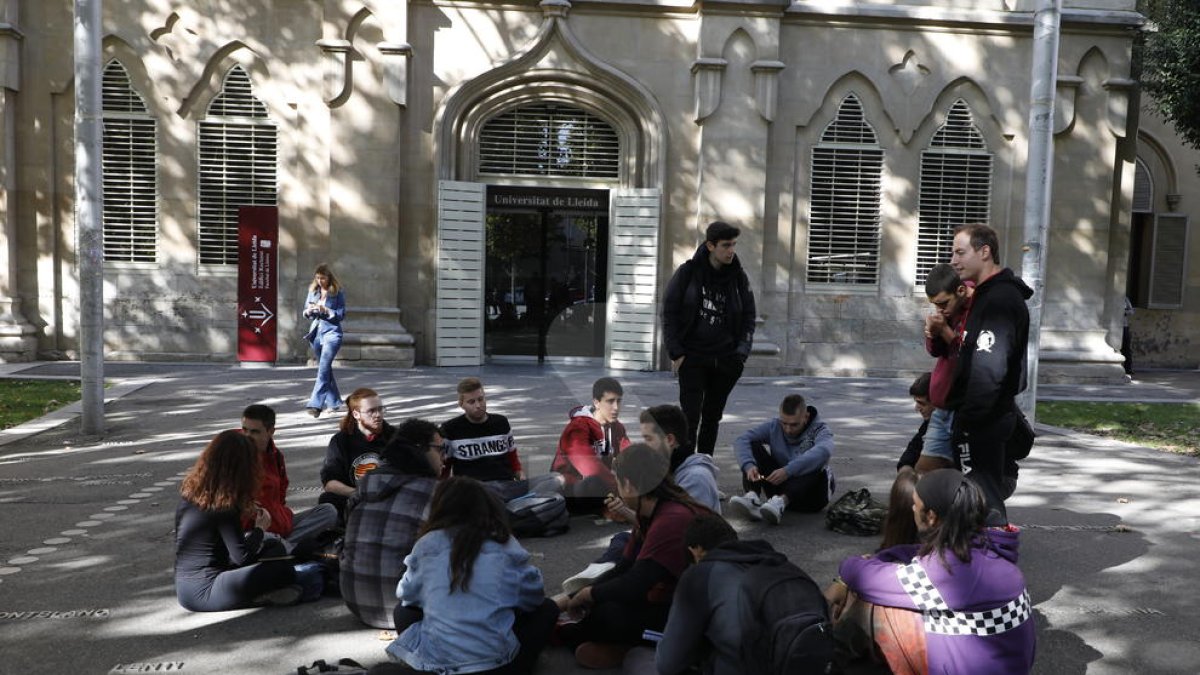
(785, 621)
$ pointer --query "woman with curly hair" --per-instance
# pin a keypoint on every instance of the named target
(217, 565)
(326, 307)
(470, 601)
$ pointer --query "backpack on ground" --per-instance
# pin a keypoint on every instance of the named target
(857, 513)
(785, 621)
(538, 515)
(342, 667)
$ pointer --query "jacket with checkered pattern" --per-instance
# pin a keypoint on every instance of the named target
(976, 613)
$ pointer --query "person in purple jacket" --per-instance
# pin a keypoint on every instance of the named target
(955, 603)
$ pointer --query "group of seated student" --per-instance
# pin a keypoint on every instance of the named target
(428, 550)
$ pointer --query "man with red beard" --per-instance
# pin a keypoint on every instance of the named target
(355, 449)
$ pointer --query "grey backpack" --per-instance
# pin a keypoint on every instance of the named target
(538, 515)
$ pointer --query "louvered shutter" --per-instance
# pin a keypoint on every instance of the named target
(549, 139)
(846, 181)
(955, 188)
(1168, 261)
(633, 281)
(1143, 188)
(238, 160)
(460, 260)
(129, 157)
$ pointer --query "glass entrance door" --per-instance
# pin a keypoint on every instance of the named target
(545, 274)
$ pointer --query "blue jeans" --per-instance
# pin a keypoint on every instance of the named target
(937, 436)
(325, 392)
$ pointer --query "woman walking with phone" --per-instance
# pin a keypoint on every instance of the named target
(326, 307)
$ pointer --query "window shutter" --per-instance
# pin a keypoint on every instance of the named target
(549, 139)
(129, 159)
(1168, 261)
(461, 210)
(238, 165)
(1143, 188)
(844, 221)
(956, 186)
(632, 303)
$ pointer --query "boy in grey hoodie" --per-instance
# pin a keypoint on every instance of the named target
(785, 463)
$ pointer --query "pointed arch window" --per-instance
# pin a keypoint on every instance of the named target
(955, 188)
(844, 220)
(549, 139)
(129, 156)
(238, 158)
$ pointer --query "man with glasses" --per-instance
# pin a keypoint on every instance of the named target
(355, 449)
(785, 463)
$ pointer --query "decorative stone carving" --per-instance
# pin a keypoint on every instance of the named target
(909, 73)
(1064, 104)
(337, 69)
(707, 81)
(395, 70)
(1119, 91)
(766, 87)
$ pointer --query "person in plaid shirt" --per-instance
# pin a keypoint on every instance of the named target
(384, 514)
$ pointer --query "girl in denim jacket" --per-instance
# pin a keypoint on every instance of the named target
(470, 601)
(325, 305)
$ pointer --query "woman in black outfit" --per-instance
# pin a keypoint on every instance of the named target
(216, 566)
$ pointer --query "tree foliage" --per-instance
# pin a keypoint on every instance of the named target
(1171, 64)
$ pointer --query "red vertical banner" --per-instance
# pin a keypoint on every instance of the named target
(258, 257)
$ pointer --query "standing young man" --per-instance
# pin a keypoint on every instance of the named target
(708, 320)
(950, 297)
(991, 363)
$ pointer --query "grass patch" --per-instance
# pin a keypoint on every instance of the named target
(24, 400)
(1169, 426)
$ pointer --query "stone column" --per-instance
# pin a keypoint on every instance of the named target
(17, 341)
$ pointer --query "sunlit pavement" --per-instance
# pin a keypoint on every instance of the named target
(1110, 546)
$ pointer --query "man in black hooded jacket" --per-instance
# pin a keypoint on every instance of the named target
(991, 365)
(708, 322)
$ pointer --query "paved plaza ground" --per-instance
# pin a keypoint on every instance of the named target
(1110, 544)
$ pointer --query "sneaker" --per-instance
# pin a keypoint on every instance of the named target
(772, 511)
(313, 412)
(721, 496)
(600, 655)
(750, 504)
(288, 595)
(586, 578)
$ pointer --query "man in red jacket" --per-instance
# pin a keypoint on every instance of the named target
(258, 423)
(592, 437)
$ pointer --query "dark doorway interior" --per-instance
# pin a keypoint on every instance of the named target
(546, 272)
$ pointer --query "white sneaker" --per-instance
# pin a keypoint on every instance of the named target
(750, 504)
(772, 511)
(586, 578)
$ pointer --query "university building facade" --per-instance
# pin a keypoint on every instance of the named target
(517, 181)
